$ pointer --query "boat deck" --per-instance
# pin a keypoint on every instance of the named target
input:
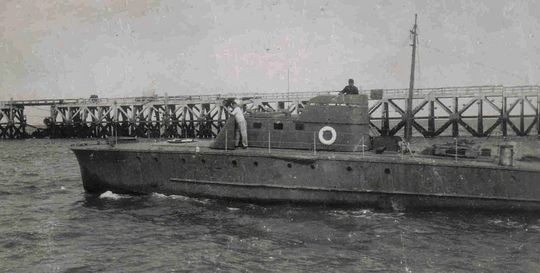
(386, 157)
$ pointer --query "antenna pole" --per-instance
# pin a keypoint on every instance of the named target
(409, 115)
(288, 81)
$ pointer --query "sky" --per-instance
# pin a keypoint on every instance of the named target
(73, 48)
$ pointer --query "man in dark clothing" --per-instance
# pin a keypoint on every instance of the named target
(350, 89)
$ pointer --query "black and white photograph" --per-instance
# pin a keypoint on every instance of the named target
(269, 136)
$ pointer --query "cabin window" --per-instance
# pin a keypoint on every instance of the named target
(299, 126)
(257, 125)
(278, 126)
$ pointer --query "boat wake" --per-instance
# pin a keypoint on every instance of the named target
(180, 197)
(112, 195)
(164, 196)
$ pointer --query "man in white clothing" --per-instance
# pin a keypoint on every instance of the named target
(241, 125)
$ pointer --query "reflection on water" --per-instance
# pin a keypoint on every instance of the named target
(48, 224)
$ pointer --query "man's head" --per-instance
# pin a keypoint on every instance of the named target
(351, 82)
(229, 102)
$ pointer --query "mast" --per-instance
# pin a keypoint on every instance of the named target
(409, 115)
(288, 81)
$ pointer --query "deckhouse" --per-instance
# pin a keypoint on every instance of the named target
(328, 122)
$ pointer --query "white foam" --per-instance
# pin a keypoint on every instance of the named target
(203, 201)
(176, 197)
(111, 195)
(495, 221)
(62, 188)
(535, 227)
(181, 197)
(363, 213)
(159, 195)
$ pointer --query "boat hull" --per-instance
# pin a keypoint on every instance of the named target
(322, 179)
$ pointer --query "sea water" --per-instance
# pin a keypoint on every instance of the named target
(48, 224)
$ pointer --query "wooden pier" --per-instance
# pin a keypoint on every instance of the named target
(478, 111)
(12, 121)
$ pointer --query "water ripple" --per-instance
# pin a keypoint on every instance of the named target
(48, 224)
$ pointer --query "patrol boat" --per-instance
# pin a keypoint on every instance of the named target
(323, 155)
